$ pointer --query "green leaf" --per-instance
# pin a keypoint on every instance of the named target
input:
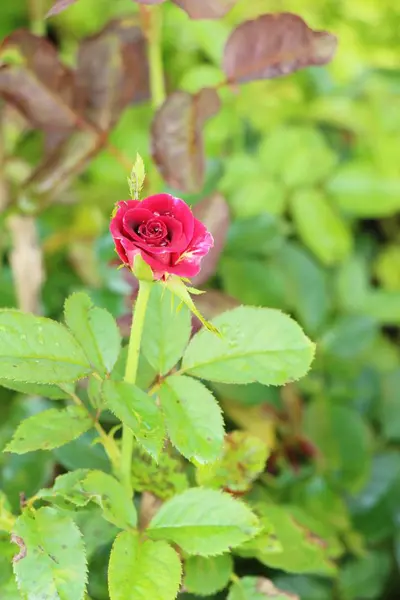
(389, 408)
(308, 292)
(83, 453)
(343, 439)
(323, 231)
(257, 588)
(360, 191)
(205, 576)
(365, 577)
(110, 495)
(349, 336)
(257, 282)
(143, 570)
(193, 418)
(243, 460)
(288, 152)
(50, 429)
(38, 350)
(82, 486)
(38, 389)
(95, 530)
(137, 177)
(139, 412)
(286, 543)
(95, 330)
(256, 344)
(204, 522)
(55, 562)
(167, 330)
(306, 586)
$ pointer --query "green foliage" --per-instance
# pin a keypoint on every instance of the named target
(193, 418)
(204, 522)
(166, 331)
(307, 164)
(52, 560)
(205, 576)
(143, 581)
(95, 330)
(53, 357)
(138, 412)
(257, 588)
(50, 429)
(255, 345)
(243, 460)
(80, 487)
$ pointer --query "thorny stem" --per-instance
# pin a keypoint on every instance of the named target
(130, 375)
(108, 442)
(152, 24)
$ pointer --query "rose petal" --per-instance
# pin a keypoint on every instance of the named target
(165, 204)
(132, 219)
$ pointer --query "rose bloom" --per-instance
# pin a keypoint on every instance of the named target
(164, 231)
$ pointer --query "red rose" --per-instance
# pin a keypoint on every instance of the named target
(164, 231)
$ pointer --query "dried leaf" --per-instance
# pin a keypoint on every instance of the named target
(37, 83)
(59, 6)
(26, 262)
(177, 140)
(206, 9)
(112, 72)
(273, 45)
(214, 213)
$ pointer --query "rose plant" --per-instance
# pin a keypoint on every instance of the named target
(150, 405)
(172, 408)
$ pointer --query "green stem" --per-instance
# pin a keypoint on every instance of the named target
(36, 10)
(108, 442)
(130, 375)
(154, 37)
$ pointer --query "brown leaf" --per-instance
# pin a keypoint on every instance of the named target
(33, 79)
(26, 261)
(177, 140)
(54, 174)
(206, 9)
(112, 72)
(273, 45)
(214, 213)
(59, 6)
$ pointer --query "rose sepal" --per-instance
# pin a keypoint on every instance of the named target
(141, 270)
(177, 287)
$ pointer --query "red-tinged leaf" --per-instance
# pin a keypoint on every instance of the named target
(36, 82)
(112, 72)
(214, 213)
(273, 45)
(206, 9)
(59, 6)
(55, 173)
(177, 140)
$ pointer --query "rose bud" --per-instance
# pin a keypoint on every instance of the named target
(163, 230)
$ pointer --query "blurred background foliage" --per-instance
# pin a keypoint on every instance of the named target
(303, 196)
